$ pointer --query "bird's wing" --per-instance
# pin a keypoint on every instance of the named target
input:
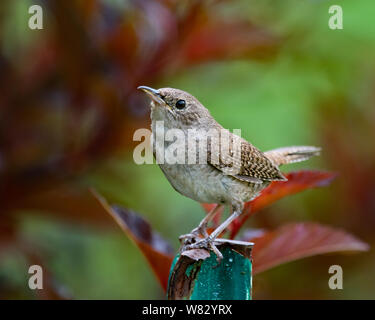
(246, 162)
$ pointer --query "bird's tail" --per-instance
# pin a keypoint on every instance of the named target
(291, 154)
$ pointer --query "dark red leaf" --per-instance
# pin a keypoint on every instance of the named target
(66, 202)
(299, 240)
(157, 251)
(297, 182)
(213, 39)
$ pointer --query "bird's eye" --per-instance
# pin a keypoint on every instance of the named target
(180, 104)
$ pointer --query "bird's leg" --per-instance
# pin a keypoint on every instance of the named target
(201, 230)
(208, 242)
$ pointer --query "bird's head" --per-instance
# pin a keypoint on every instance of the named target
(177, 108)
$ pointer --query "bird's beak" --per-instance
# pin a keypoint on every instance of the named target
(152, 93)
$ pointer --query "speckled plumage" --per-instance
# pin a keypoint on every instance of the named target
(253, 166)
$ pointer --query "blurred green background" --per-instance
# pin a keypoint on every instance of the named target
(68, 110)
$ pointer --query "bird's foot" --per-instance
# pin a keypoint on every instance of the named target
(194, 236)
(189, 238)
(206, 243)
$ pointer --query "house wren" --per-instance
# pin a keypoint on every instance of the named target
(225, 178)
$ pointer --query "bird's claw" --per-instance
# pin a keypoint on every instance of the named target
(206, 243)
(189, 238)
(193, 237)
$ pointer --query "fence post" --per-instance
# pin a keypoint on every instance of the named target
(196, 275)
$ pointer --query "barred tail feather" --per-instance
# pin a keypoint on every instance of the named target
(291, 154)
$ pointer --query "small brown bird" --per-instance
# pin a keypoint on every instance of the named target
(232, 179)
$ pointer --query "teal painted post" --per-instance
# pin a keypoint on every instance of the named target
(200, 277)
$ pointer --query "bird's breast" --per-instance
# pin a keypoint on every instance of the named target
(206, 184)
(199, 181)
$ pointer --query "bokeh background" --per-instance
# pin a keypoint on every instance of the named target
(69, 108)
